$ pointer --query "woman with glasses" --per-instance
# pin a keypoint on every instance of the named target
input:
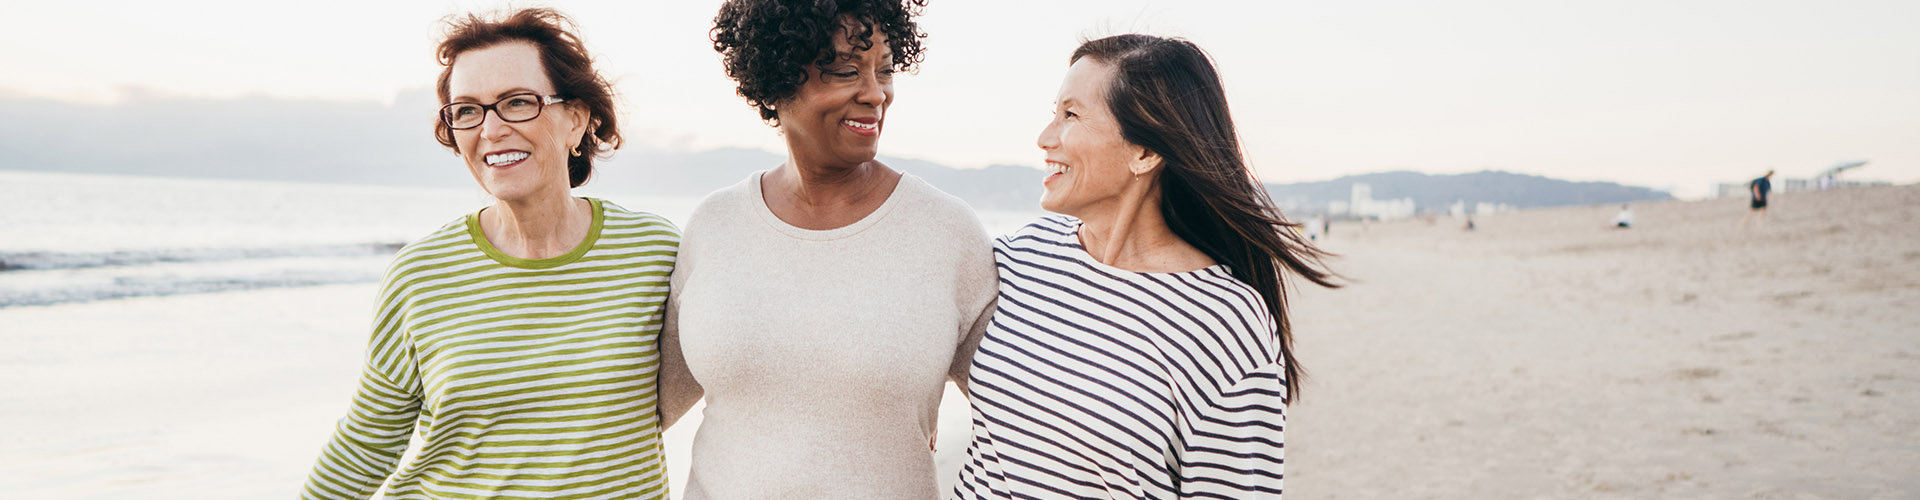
(519, 341)
(822, 305)
(1141, 348)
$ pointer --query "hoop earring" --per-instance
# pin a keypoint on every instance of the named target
(575, 151)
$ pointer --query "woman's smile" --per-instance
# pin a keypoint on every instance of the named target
(865, 127)
(506, 158)
(1055, 170)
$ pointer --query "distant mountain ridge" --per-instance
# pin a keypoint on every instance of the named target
(368, 143)
(644, 171)
(1434, 193)
(1014, 187)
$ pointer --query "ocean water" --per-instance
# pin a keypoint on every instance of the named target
(68, 238)
(277, 366)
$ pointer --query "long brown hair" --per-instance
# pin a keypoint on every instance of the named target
(563, 57)
(1168, 99)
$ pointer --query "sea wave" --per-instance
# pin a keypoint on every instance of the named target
(38, 278)
(42, 261)
(127, 287)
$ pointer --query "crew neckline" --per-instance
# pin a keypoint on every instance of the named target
(1072, 239)
(593, 236)
(766, 214)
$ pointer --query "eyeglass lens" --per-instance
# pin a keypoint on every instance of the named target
(514, 108)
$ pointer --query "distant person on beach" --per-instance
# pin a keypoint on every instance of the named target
(517, 342)
(822, 305)
(1141, 347)
(1624, 219)
(1757, 197)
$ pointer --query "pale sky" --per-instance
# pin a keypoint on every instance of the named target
(1671, 94)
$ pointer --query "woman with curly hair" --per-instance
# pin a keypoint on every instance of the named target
(821, 305)
(1141, 348)
(519, 342)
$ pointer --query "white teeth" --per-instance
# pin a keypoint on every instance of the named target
(1055, 168)
(862, 126)
(505, 158)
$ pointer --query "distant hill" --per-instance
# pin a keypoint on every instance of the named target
(1013, 187)
(643, 171)
(368, 143)
(371, 144)
(1437, 192)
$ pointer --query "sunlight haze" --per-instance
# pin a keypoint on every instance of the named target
(1670, 95)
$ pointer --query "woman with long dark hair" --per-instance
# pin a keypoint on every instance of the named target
(1141, 347)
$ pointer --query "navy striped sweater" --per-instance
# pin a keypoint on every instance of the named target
(1097, 382)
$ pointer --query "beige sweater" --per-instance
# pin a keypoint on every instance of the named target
(822, 354)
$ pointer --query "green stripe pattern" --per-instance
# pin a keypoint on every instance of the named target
(524, 378)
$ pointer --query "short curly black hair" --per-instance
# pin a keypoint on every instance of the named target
(766, 43)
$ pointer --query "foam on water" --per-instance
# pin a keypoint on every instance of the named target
(75, 238)
(68, 238)
(60, 286)
(21, 261)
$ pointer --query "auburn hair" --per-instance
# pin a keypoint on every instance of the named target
(564, 59)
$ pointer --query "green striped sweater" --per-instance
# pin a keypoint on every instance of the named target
(524, 378)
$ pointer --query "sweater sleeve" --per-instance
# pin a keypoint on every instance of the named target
(1234, 447)
(367, 444)
(679, 391)
(979, 291)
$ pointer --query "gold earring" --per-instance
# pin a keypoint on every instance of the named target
(575, 151)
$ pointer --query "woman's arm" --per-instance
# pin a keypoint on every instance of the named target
(368, 442)
(979, 291)
(1232, 445)
(678, 389)
(963, 355)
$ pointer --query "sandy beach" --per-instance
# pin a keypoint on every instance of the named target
(1543, 355)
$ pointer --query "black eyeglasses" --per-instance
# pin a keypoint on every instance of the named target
(515, 108)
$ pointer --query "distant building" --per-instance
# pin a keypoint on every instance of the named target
(1826, 179)
(1781, 185)
(1362, 205)
(1484, 208)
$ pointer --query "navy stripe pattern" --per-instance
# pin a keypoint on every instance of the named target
(1097, 382)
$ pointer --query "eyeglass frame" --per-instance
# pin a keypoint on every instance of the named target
(543, 101)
